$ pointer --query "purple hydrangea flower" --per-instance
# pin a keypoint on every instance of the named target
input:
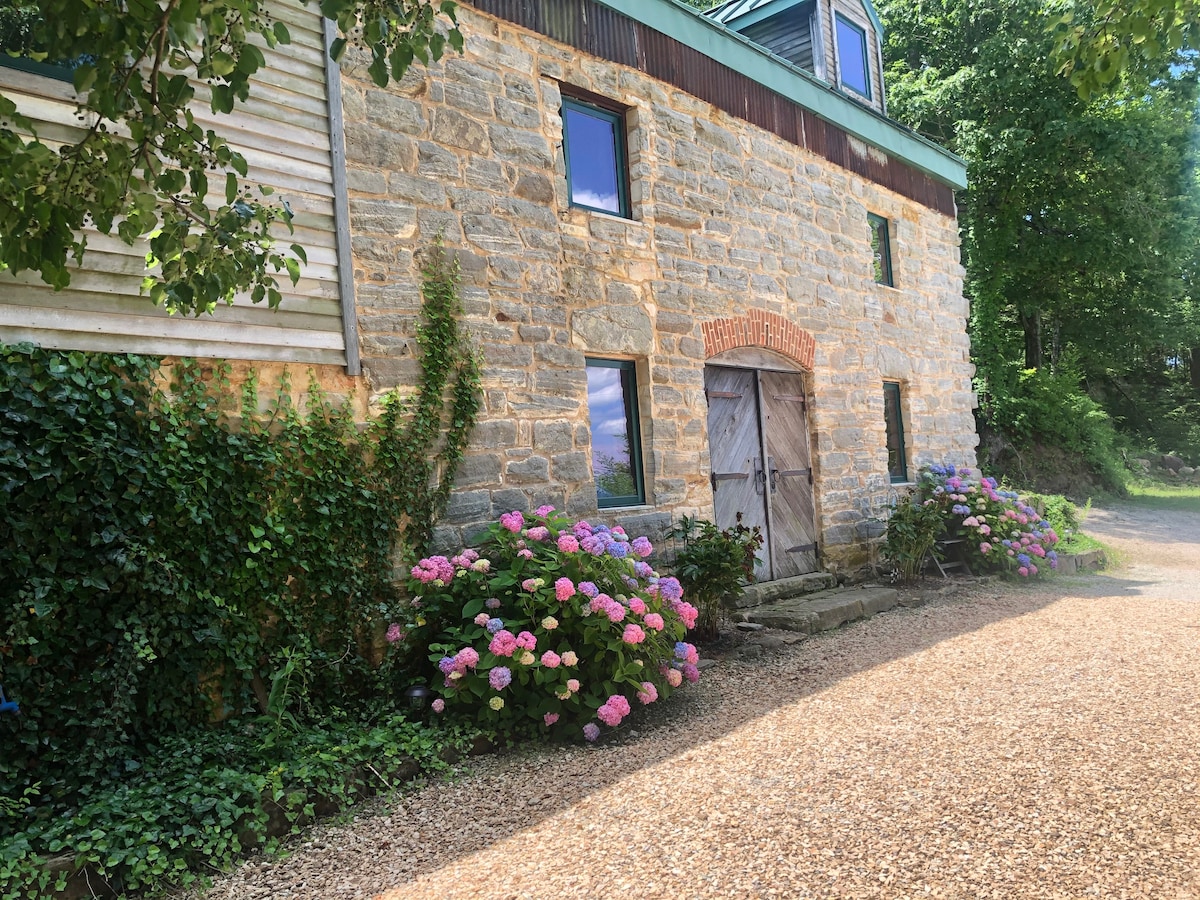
(494, 625)
(500, 678)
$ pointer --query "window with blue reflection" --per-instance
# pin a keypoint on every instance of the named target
(616, 447)
(594, 140)
(852, 57)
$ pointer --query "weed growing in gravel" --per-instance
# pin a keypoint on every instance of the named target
(550, 626)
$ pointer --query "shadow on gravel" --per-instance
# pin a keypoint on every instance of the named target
(732, 694)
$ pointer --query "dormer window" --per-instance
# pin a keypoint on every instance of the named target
(853, 62)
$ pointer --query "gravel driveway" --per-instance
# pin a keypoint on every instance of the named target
(1006, 741)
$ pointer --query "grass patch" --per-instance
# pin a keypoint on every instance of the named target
(1180, 497)
(1081, 543)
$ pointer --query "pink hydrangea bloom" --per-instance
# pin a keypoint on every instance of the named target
(620, 704)
(591, 731)
(525, 553)
(544, 510)
(481, 565)
(570, 659)
(985, 548)
(568, 543)
(674, 677)
(1023, 571)
(538, 533)
(573, 685)
(526, 641)
(654, 621)
(691, 673)
(551, 660)
(648, 694)
(686, 612)
(438, 705)
(638, 605)
(513, 521)
(614, 610)
(564, 589)
(1032, 569)
(550, 719)
(633, 634)
(500, 678)
(394, 633)
(503, 643)
(467, 658)
(532, 584)
(985, 529)
(642, 547)
(608, 716)
(482, 619)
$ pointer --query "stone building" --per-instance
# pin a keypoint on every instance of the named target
(707, 274)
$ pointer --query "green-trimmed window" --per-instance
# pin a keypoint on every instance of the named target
(853, 62)
(893, 416)
(616, 443)
(881, 249)
(594, 143)
(17, 47)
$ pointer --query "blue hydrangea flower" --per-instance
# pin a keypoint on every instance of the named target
(494, 625)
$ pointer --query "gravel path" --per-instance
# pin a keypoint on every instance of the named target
(1009, 742)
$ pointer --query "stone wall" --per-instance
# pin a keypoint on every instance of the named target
(726, 219)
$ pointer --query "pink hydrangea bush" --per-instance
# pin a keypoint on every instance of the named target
(1002, 532)
(551, 625)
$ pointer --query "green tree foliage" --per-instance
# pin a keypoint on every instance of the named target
(144, 165)
(1079, 226)
(1098, 41)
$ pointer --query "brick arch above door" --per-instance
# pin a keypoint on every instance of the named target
(759, 329)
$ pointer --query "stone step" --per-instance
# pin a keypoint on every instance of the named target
(772, 591)
(824, 610)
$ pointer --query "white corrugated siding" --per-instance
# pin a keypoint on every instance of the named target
(283, 131)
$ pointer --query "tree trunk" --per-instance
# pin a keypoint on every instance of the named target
(1032, 323)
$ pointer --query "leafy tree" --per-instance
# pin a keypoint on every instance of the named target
(1079, 215)
(1099, 41)
(144, 166)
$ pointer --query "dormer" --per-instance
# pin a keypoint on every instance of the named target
(836, 40)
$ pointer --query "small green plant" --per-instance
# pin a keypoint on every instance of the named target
(713, 566)
(912, 530)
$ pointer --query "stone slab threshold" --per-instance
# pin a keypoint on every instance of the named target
(822, 610)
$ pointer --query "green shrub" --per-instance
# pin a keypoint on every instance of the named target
(913, 528)
(201, 798)
(1038, 407)
(166, 563)
(548, 626)
(713, 565)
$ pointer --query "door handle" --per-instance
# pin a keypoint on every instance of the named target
(760, 477)
(774, 474)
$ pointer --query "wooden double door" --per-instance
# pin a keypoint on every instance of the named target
(762, 463)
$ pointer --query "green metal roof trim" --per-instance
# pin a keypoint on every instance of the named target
(726, 46)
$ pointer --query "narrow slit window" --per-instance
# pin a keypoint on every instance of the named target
(881, 249)
(894, 419)
(616, 444)
(594, 142)
(853, 65)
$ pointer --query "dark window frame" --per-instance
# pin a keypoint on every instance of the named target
(881, 249)
(897, 446)
(616, 116)
(33, 67)
(629, 384)
(861, 33)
